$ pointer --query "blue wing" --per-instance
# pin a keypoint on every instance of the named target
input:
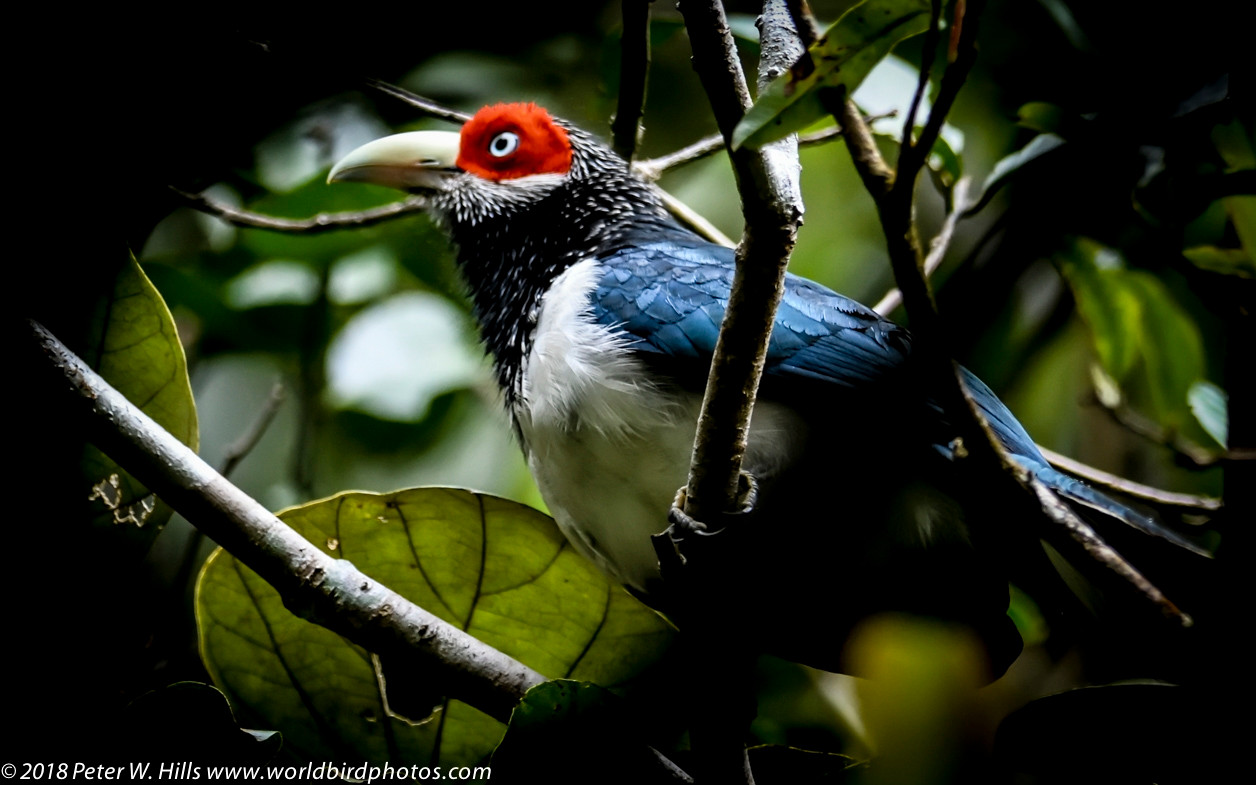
(671, 296)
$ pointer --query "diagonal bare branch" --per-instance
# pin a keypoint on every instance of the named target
(324, 590)
(323, 222)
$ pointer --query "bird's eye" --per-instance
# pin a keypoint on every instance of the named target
(503, 144)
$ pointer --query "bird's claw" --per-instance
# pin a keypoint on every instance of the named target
(684, 524)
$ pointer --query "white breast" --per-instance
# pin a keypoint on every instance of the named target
(608, 449)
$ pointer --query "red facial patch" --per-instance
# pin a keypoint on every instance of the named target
(505, 141)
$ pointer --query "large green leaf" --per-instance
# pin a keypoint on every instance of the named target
(1137, 326)
(1172, 347)
(132, 343)
(495, 568)
(1107, 306)
(843, 57)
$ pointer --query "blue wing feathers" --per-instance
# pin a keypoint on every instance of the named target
(671, 298)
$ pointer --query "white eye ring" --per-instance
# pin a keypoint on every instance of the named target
(503, 144)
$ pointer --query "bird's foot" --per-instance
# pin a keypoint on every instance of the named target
(689, 542)
(683, 524)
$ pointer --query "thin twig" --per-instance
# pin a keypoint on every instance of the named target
(912, 157)
(876, 174)
(693, 219)
(654, 168)
(926, 66)
(937, 248)
(1099, 551)
(322, 222)
(634, 70)
(1136, 490)
(894, 196)
(425, 106)
(236, 451)
(1191, 453)
(242, 446)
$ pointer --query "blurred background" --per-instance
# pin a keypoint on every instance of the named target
(367, 334)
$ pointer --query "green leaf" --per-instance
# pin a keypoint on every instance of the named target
(499, 570)
(134, 345)
(1009, 164)
(1106, 305)
(843, 57)
(1136, 324)
(1041, 116)
(946, 162)
(1171, 346)
(1226, 261)
(1234, 144)
(1208, 404)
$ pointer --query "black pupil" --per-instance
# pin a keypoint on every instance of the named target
(501, 144)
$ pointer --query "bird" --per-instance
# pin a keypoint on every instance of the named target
(601, 312)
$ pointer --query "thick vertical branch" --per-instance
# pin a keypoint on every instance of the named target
(771, 202)
(634, 70)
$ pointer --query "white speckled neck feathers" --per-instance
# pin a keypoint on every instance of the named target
(515, 237)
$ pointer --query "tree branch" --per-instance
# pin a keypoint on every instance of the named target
(634, 70)
(772, 204)
(244, 444)
(692, 219)
(650, 169)
(930, 49)
(322, 222)
(327, 591)
(425, 106)
(1181, 501)
(654, 168)
(1189, 452)
(1059, 513)
(893, 192)
(937, 248)
(767, 180)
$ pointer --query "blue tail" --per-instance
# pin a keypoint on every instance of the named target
(1024, 452)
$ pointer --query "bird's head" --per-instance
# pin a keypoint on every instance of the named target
(524, 196)
(506, 158)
